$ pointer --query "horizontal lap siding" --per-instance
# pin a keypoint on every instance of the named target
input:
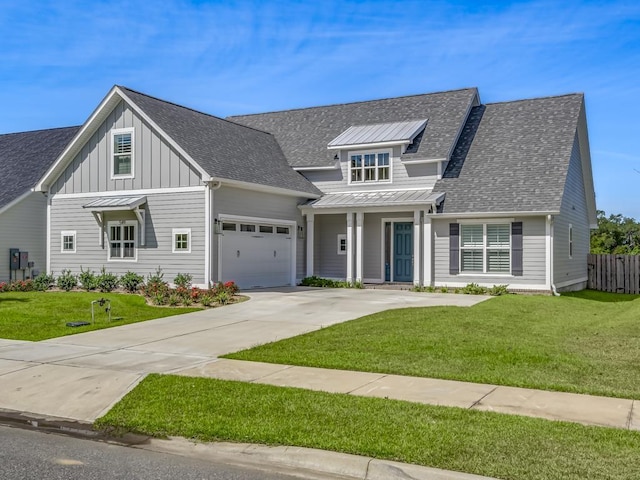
(24, 226)
(164, 212)
(534, 256)
(156, 163)
(327, 262)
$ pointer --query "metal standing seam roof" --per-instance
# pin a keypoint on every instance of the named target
(400, 132)
(116, 203)
(376, 199)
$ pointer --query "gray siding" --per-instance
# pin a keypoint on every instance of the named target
(24, 226)
(534, 256)
(163, 213)
(402, 176)
(326, 261)
(250, 203)
(573, 211)
(156, 163)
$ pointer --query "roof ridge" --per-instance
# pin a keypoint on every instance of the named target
(545, 97)
(190, 109)
(39, 130)
(353, 103)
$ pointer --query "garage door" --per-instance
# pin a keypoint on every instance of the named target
(256, 254)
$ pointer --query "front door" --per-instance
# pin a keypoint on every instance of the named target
(403, 252)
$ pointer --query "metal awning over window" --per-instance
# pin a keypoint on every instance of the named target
(115, 204)
(381, 134)
(376, 199)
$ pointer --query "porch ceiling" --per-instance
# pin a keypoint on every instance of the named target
(376, 199)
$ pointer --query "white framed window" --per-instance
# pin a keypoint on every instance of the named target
(122, 240)
(485, 248)
(228, 227)
(122, 147)
(68, 241)
(282, 230)
(366, 167)
(265, 228)
(570, 241)
(245, 227)
(181, 242)
(342, 244)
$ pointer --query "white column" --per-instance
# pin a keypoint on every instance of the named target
(349, 247)
(427, 250)
(416, 247)
(310, 246)
(359, 250)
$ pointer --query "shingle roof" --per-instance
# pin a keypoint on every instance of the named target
(305, 133)
(222, 148)
(512, 156)
(26, 156)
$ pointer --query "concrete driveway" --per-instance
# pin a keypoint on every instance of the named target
(81, 376)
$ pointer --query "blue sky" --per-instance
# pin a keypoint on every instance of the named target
(58, 59)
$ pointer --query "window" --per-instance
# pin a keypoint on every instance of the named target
(228, 227)
(282, 230)
(342, 244)
(266, 229)
(122, 144)
(485, 248)
(122, 240)
(369, 167)
(570, 241)
(68, 241)
(181, 240)
(247, 228)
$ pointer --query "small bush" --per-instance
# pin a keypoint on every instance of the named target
(19, 286)
(174, 299)
(316, 281)
(231, 288)
(194, 294)
(131, 281)
(88, 280)
(222, 297)
(498, 290)
(206, 300)
(183, 280)
(473, 289)
(43, 282)
(67, 281)
(159, 298)
(444, 289)
(186, 301)
(107, 282)
(156, 285)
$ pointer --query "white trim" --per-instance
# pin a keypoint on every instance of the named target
(427, 250)
(391, 220)
(572, 282)
(111, 153)
(180, 231)
(256, 187)
(512, 286)
(390, 143)
(381, 190)
(312, 168)
(15, 201)
(417, 240)
(48, 239)
(123, 223)
(359, 247)
(342, 237)
(492, 214)
(475, 221)
(375, 152)
(485, 248)
(349, 246)
(550, 247)
(68, 233)
(415, 161)
(310, 243)
(208, 194)
(128, 193)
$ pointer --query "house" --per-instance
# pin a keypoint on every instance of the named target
(433, 189)
(24, 157)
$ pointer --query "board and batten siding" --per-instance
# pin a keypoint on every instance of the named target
(156, 163)
(228, 200)
(570, 272)
(164, 212)
(533, 256)
(403, 175)
(24, 226)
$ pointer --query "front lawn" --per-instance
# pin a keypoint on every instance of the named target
(42, 315)
(587, 342)
(496, 445)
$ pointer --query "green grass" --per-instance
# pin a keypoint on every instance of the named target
(40, 315)
(484, 443)
(587, 342)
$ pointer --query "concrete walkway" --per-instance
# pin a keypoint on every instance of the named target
(570, 407)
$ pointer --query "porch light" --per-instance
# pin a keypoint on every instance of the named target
(217, 227)
(300, 232)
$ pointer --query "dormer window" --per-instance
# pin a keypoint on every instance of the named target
(122, 153)
(369, 167)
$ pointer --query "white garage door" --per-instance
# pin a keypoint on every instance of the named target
(256, 254)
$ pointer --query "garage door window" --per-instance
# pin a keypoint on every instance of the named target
(266, 229)
(247, 228)
(282, 230)
(229, 227)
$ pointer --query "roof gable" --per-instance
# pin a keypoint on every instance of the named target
(25, 156)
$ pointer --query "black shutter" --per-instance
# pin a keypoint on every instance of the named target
(454, 248)
(516, 249)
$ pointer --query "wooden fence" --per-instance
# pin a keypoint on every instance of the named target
(614, 273)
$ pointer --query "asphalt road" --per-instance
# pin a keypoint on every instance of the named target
(30, 455)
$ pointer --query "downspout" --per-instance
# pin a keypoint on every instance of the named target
(553, 285)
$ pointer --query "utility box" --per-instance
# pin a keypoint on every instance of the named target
(14, 259)
(24, 260)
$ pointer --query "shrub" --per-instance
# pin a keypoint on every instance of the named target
(498, 290)
(222, 297)
(88, 280)
(195, 294)
(444, 289)
(159, 298)
(43, 282)
(206, 300)
(156, 285)
(186, 300)
(67, 281)
(473, 289)
(231, 288)
(181, 292)
(107, 282)
(131, 281)
(174, 299)
(4, 287)
(183, 280)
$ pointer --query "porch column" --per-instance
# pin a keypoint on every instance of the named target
(349, 247)
(359, 250)
(416, 247)
(310, 246)
(427, 249)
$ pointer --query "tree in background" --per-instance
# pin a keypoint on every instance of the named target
(616, 234)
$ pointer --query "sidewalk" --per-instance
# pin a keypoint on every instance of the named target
(570, 407)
